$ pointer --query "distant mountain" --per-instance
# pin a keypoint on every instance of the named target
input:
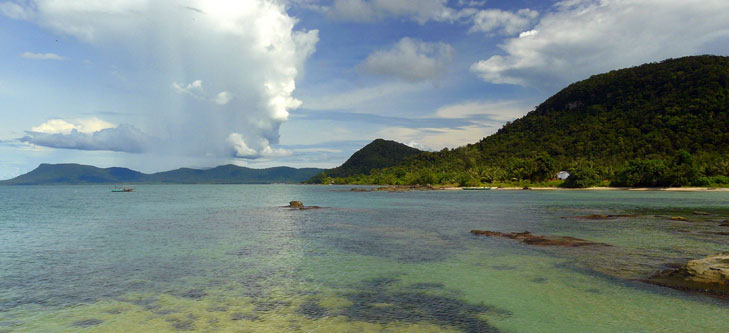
(225, 174)
(377, 154)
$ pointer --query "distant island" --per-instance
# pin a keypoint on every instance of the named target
(655, 125)
(57, 174)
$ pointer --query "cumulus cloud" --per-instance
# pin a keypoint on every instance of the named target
(248, 54)
(41, 56)
(195, 89)
(580, 38)
(410, 60)
(420, 11)
(61, 126)
(122, 138)
(503, 22)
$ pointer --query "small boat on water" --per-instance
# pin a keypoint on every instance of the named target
(123, 189)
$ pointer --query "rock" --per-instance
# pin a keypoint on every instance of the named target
(723, 233)
(602, 217)
(724, 224)
(701, 213)
(679, 218)
(538, 240)
(300, 205)
(709, 275)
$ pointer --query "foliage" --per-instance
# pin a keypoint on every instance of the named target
(582, 176)
(658, 124)
(377, 154)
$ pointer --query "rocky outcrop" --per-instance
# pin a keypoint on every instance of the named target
(709, 275)
(603, 217)
(538, 240)
(300, 205)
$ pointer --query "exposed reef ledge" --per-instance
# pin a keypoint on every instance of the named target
(709, 275)
(300, 205)
(538, 240)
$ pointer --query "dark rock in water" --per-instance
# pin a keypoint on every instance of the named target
(539, 280)
(679, 218)
(243, 316)
(701, 213)
(709, 275)
(300, 205)
(538, 240)
(379, 303)
(602, 217)
(312, 309)
(87, 322)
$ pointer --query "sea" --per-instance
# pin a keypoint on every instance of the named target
(230, 258)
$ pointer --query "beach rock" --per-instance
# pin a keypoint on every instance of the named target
(538, 240)
(300, 205)
(709, 275)
(603, 217)
(679, 218)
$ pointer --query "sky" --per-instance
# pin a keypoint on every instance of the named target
(155, 85)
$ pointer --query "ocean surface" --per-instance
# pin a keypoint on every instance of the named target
(230, 258)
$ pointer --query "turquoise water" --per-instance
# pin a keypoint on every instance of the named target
(228, 258)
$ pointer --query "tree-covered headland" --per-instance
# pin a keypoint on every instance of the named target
(658, 124)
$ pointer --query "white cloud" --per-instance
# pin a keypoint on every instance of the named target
(410, 60)
(195, 89)
(247, 53)
(499, 111)
(420, 11)
(14, 11)
(58, 134)
(60, 126)
(528, 33)
(222, 98)
(41, 56)
(585, 37)
(262, 148)
(503, 22)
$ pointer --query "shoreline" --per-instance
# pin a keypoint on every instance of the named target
(399, 188)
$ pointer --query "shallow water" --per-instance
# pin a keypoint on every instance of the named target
(228, 258)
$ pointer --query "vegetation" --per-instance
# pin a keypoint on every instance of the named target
(224, 174)
(377, 154)
(659, 124)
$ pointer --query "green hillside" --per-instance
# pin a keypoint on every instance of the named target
(226, 174)
(377, 154)
(658, 124)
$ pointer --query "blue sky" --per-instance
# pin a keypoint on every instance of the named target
(157, 85)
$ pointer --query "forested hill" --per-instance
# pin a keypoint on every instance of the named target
(658, 124)
(377, 154)
(224, 174)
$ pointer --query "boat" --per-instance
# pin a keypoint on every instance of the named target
(123, 189)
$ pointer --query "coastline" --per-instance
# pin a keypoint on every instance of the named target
(399, 188)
